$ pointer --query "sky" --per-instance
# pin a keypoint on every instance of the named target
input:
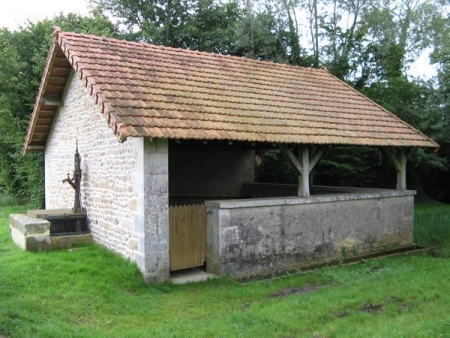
(421, 67)
(14, 13)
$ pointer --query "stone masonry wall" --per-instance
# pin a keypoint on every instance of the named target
(110, 187)
(152, 222)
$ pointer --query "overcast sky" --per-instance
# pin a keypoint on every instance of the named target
(14, 13)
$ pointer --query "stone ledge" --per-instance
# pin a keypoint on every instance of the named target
(361, 194)
(44, 213)
(29, 225)
(30, 233)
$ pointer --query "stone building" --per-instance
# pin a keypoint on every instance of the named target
(161, 128)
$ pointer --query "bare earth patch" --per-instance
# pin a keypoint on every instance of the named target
(371, 308)
(305, 289)
(246, 306)
(343, 314)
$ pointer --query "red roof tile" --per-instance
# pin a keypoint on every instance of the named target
(160, 92)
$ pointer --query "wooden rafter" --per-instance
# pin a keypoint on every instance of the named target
(51, 101)
(290, 155)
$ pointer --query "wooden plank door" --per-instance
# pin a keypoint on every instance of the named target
(187, 227)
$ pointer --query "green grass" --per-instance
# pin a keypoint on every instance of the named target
(90, 292)
(432, 224)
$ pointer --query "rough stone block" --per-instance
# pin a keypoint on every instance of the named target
(30, 233)
(157, 268)
(68, 241)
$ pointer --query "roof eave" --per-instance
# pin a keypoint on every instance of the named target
(38, 103)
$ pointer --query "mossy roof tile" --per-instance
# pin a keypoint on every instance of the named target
(160, 92)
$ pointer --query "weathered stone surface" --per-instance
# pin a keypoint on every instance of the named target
(69, 240)
(108, 167)
(30, 233)
(124, 186)
(29, 225)
(43, 213)
(249, 237)
(152, 227)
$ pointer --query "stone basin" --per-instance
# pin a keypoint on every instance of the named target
(32, 231)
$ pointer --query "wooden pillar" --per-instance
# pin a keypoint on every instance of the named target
(401, 174)
(398, 160)
(303, 178)
(304, 164)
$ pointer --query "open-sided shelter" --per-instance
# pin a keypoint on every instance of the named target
(167, 139)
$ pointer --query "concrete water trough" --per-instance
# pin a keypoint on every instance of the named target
(49, 229)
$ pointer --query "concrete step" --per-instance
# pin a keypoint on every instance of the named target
(190, 276)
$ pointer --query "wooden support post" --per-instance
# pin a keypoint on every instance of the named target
(398, 160)
(304, 164)
(303, 178)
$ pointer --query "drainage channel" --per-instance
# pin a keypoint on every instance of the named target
(406, 250)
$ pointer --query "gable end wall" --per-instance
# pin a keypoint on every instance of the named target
(109, 171)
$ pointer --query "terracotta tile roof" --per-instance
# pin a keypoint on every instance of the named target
(160, 92)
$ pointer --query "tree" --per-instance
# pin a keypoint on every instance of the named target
(211, 26)
(205, 25)
(22, 59)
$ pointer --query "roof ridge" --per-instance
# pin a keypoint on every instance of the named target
(184, 51)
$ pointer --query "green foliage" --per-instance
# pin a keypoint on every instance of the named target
(352, 166)
(273, 167)
(19, 83)
(340, 166)
(415, 102)
(256, 38)
(211, 27)
(23, 55)
(370, 45)
(205, 25)
(432, 224)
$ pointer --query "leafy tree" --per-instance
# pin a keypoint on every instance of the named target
(211, 26)
(257, 37)
(22, 60)
(369, 44)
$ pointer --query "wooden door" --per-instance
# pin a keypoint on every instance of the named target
(187, 226)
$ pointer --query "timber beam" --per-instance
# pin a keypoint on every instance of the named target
(36, 148)
(305, 163)
(398, 157)
(51, 101)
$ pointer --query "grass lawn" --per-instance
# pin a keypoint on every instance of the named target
(90, 292)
